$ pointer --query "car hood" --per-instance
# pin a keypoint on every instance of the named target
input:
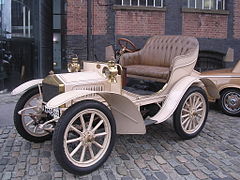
(81, 78)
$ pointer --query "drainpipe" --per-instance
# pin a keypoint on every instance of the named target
(89, 30)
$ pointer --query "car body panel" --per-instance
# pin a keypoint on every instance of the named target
(224, 78)
(177, 92)
(128, 119)
(25, 86)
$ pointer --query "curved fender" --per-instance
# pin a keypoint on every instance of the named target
(173, 98)
(25, 86)
(127, 117)
(229, 86)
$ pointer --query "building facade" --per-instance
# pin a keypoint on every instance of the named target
(30, 40)
(92, 25)
(37, 36)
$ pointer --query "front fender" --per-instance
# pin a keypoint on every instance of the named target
(127, 117)
(25, 86)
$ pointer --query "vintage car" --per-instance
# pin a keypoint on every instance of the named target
(228, 84)
(84, 111)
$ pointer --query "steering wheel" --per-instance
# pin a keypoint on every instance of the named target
(123, 43)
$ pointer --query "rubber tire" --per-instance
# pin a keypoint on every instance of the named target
(177, 114)
(18, 120)
(58, 136)
(220, 101)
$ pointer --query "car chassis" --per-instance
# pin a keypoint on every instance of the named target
(84, 111)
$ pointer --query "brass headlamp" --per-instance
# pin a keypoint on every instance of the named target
(74, 65)
(111, 71)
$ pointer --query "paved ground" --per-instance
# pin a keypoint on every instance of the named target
(7, 104)
(159, 154)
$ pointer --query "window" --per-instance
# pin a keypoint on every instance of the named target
(21, 18)
(205, 4)
(147, 3)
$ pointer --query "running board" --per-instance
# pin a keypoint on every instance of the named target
(148, 122)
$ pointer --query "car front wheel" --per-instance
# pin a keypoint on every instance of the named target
(191, 113)
(230, 102)
(28, 115)
(84, 137)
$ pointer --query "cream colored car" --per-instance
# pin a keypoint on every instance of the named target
(85, 110)
(228, 84)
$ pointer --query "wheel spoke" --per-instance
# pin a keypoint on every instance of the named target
(187, 103)
(97, 126)
(73, 140)
(186, 110)
(91, 150)
(193, 100)
(83, 154)
(91, 121)
(76, 149)
(76, 130)
(190, 124)
(97, 144)
(185, 120)
(194, 123)
(35, 129)
(100, 134)
(199, 105)
(187, 124)
(196, 103)
(199, 115)
(185, 115)
(83, 123)
(30, 122)
(190, 101)
(199, 110)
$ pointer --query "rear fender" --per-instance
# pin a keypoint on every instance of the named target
(173, 98)
(27, 85)
(127, 117)
(211, 88)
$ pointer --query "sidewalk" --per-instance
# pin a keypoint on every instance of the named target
(7, 105)
(160, 154)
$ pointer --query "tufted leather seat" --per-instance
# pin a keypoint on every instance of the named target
(156, 59)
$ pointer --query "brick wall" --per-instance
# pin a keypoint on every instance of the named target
(205, 25)
(77, 17)
(236, 19)
(139, 23)
(100, 17)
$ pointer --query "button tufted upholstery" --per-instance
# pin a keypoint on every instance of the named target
(156, 58)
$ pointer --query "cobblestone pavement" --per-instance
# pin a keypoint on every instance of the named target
(6, 98)
(160, 154)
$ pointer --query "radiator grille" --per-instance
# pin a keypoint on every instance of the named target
(49, 91)
(90, 88)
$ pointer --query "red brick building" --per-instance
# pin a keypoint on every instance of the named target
(91, 25)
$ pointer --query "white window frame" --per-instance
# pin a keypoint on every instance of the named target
(146, 4)
(203, 2)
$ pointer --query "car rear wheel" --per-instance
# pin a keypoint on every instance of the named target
(191, 113)
(84, 137)
(230, 102)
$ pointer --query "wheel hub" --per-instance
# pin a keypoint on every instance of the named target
(88, 137)
(193, 113)
(233, 101)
